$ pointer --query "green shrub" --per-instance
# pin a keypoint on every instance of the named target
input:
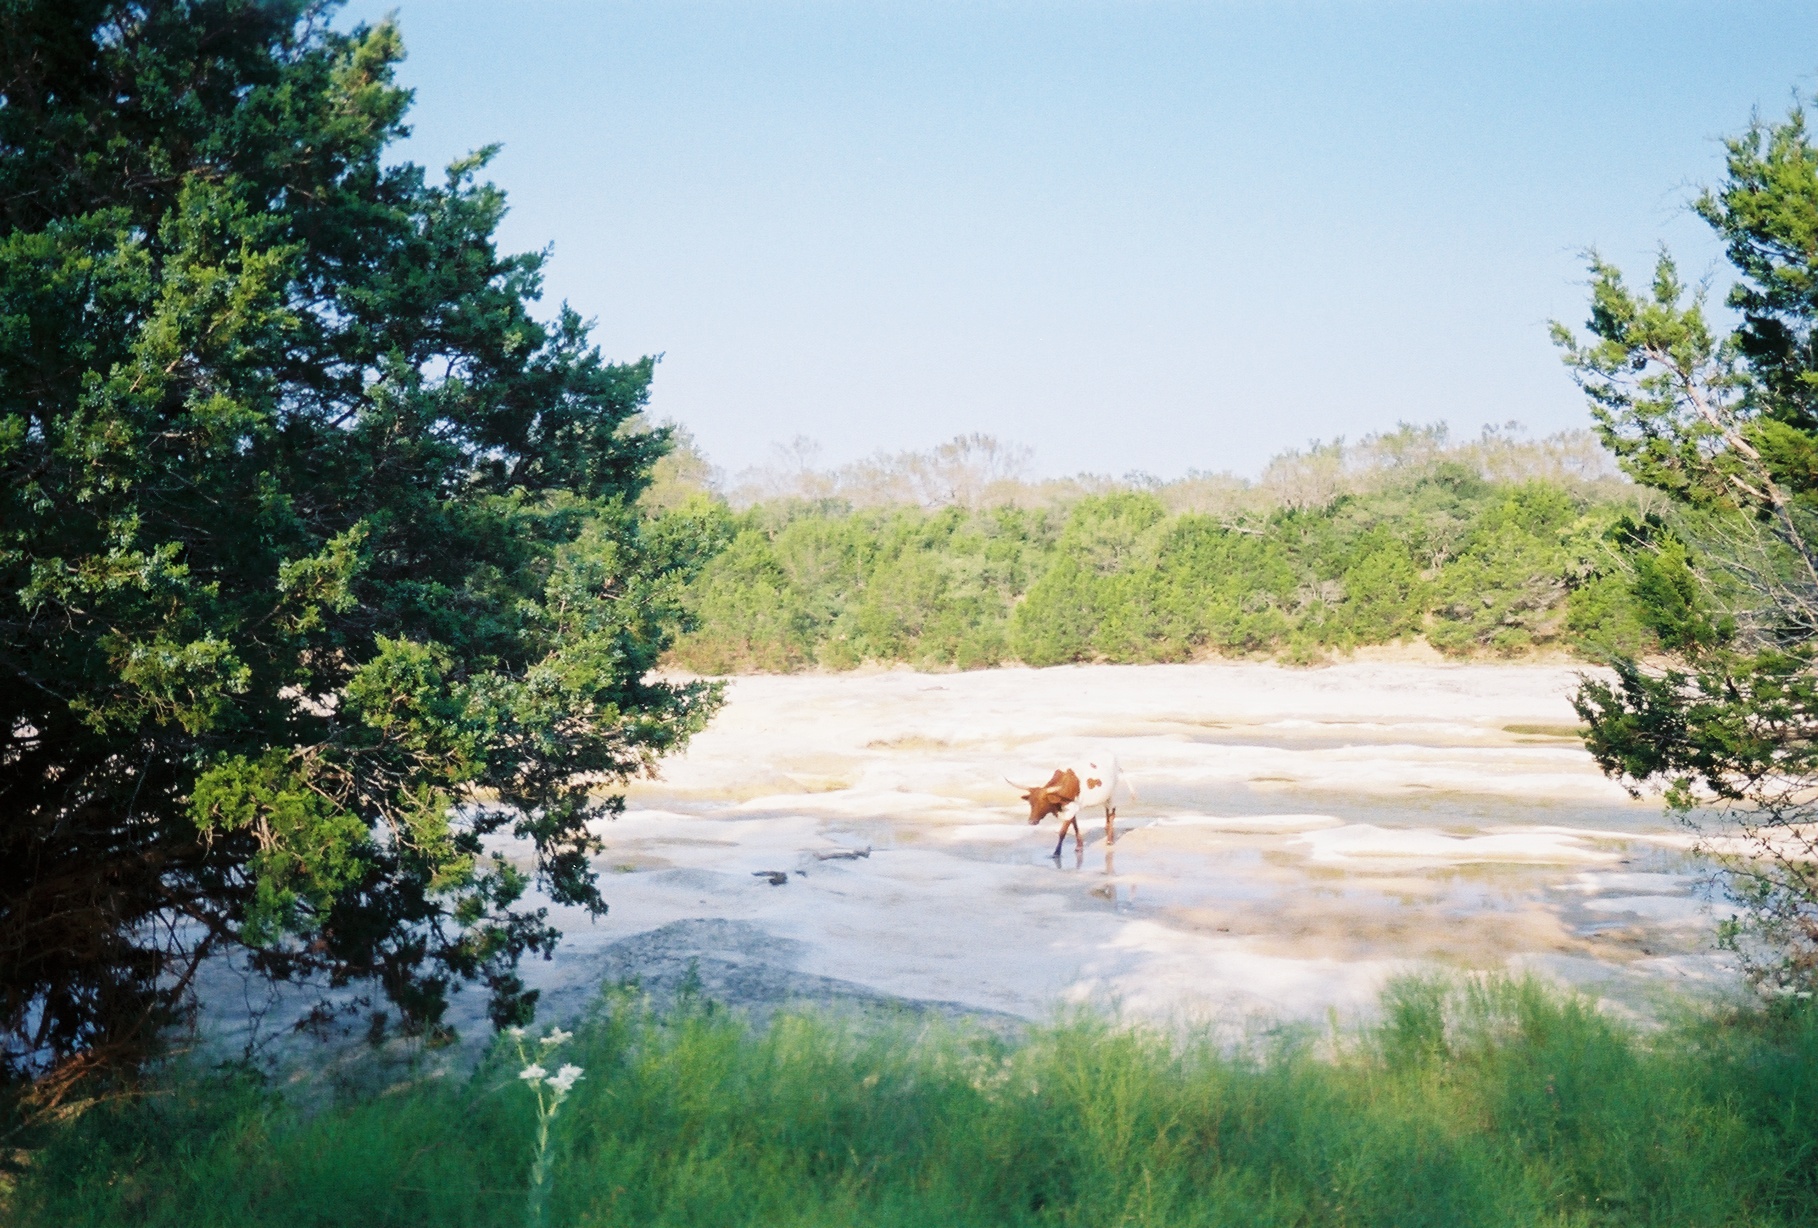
(1506, 590)
(748, 613)
(1219, 588)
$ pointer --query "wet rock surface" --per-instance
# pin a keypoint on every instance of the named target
(738, 965)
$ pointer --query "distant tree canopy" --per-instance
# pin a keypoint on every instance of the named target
(1493, 547)
(322, 556)
(1726, 424)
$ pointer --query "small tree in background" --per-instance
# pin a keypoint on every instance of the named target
(1726, 425)
(312, 536)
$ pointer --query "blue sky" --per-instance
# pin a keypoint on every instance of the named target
(1155, 236)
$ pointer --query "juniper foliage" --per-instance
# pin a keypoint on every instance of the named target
(311, 534)
(1726, 425)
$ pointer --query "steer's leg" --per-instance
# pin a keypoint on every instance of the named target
(1061, 841)
(1110, 824)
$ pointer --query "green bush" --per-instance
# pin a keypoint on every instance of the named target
(749, 614)
(1385, 596)
(1506, 589)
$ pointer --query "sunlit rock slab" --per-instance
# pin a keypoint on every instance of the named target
(1297, 837)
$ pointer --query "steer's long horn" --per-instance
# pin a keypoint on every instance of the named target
(1023, 788)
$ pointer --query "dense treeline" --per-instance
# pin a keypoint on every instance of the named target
(1406, 538)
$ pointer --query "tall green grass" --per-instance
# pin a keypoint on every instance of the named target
(1493, 1104)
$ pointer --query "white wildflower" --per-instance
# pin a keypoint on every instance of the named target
(533, 1074)
(565, 1078)
(558, 1037)
(515, 1033)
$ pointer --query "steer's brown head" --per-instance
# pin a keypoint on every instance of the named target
(1044, 800)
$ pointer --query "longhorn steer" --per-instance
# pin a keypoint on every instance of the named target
(1093, 782)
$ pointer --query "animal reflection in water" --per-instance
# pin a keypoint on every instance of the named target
(1093, 782)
